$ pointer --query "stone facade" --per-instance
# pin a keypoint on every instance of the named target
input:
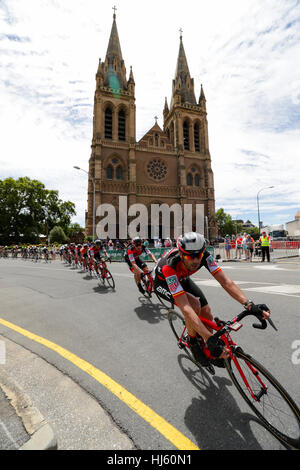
(169, 165)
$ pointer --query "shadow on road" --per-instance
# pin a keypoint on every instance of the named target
(151, 312)
(103, 289)
(214, 417)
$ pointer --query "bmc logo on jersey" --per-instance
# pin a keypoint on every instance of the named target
(173, 283)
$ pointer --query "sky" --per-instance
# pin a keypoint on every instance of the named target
(245, 53)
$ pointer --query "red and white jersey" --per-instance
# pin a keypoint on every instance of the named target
(171, 269)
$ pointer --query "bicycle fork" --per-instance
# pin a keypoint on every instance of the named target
(264, 388)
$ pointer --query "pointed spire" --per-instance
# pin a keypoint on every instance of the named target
(115, 72)
(183, 83)
(114, 48)
(131, 82)
(131, 79)
(202, 99)
(166, 107)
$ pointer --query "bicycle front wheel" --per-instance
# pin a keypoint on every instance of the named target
(110, 280)
(266, 397)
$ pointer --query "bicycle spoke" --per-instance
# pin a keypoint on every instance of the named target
(268, 399)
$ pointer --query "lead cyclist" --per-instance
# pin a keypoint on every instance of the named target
(172, 282)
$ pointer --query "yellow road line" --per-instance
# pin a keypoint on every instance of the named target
(160, 424)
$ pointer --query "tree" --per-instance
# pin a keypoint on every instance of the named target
(76, 233)
(226, 225)
(57, 235)
(28, 209)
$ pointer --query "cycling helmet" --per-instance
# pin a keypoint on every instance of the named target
(137, 241)
(191, 243)
(98, 242)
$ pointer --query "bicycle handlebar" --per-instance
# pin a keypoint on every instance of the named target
(261, 326)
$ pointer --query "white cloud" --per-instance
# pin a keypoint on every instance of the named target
(246, 54)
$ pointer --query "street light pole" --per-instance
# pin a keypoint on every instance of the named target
(94, 195)
(259, 222)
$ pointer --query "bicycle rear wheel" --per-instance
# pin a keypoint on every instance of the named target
(271, 403)
(177, 324)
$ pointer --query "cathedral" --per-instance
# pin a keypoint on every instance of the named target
(166, 166)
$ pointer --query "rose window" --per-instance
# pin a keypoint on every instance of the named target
(157, 170)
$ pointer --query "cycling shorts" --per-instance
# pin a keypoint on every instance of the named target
(162, 290)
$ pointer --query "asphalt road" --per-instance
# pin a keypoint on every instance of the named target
(129, 339)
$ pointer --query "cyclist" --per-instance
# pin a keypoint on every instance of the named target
(135, 264)
(172, 282)
(84, 253)
(98, 254)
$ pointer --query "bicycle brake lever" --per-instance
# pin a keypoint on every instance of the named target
(272, 324)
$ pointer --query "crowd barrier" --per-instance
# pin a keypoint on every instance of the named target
(118, 255)
(278, 249)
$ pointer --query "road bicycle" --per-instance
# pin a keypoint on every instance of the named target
(104, 274)
(271, 403)
(147, 283)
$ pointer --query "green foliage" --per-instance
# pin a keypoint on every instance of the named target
(28, 209)
(226, 225)
(58, 235)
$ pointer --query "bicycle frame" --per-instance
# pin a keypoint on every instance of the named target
(149, 281)
(231, 346)
(103, 268)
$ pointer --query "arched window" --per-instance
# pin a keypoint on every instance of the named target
(189, 179)
(109, 172)
(119, 173)
(186, 137)
(196, 138)
(108, 124)
(197, 180)
(156, 140)
(122, 125)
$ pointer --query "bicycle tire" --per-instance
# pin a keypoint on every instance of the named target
(288, 415)
(110, 280)
(173, 316)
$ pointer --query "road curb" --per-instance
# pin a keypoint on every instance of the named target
(41, 435)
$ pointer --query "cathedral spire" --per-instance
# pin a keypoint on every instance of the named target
(183, 83)
(115, 72)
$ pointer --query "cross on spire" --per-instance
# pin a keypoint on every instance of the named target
(180, 33)
(115, 9)
(155, 117)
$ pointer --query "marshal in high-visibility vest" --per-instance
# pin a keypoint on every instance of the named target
(265, 246)
(265, 241)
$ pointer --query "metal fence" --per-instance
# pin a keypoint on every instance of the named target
(282, 249)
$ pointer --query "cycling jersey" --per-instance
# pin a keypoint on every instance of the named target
(84, 252)
(172, 274)
(132, 255)
(98, 249)
(134, 252)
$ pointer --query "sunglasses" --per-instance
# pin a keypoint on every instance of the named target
(193, 256)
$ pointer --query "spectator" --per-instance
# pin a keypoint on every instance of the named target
(227, 246)
(233, 242)
(238, 249)
(244, 245)
(250, 247)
